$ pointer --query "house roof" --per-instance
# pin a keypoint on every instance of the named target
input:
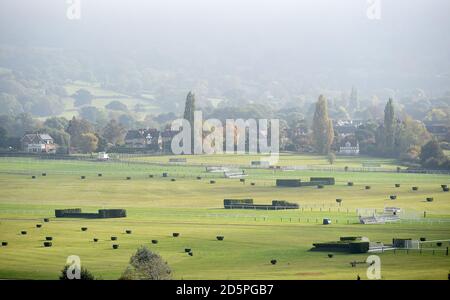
(134, 134)
(45, 136)
(36, 138)
(140, 133)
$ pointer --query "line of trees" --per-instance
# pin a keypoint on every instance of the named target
(405, 139)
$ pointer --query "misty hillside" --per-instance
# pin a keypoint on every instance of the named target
(147, 56)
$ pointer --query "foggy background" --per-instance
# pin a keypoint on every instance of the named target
(282, 48)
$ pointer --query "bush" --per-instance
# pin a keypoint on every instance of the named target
(84, 274)
(114, 238)
(220, 237)
(116, 105)
(115, 246)
(47, 244)
(175, 234)
(273, 261)
(146, 265)
(49, 238)
(154, 241)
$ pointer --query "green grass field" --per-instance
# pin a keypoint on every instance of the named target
(157, 207)
(245, 160)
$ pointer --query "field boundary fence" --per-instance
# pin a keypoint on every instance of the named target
(129, 159)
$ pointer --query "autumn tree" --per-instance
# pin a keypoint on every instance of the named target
(88, 142)
(432, 156)
(114, 132)
(77, 128)
(146, 265)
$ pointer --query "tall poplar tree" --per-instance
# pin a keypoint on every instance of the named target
(354, 101)
(323, 133)
(389, 128)
(189, 109)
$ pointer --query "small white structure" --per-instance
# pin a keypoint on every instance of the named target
(392, 210)
(348, 149)
(217, 169)
(103, 156)
(234, 174)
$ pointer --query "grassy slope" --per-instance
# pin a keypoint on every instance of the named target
(157, 207)
(106, 97)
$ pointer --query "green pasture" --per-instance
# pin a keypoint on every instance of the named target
(284, 160)
(157, 207)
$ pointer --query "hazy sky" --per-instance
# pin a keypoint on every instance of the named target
(286, 36)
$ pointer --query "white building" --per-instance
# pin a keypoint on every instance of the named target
(38, 143)
(103, 156)
(348, 149)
